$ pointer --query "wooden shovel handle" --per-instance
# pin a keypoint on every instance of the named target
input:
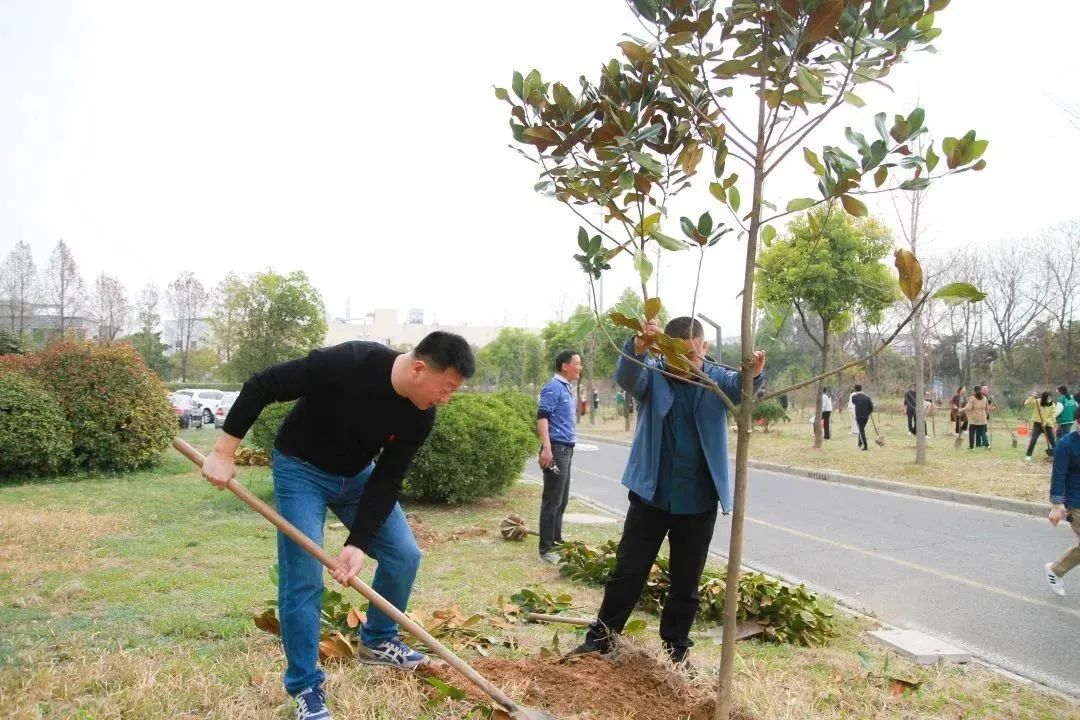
(356, 583)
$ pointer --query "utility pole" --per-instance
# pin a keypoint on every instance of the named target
(719, 335)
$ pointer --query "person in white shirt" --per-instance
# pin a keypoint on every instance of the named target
(851, 409)
(826, 411)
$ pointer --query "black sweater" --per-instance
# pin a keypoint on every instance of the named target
(347, 413)
(864, 406)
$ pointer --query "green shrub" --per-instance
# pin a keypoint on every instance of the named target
(118, 409)
(477, 448)
(265, 429)
(767, 413)
(222, 386)
(35, 439)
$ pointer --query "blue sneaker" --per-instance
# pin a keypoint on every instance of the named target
(391, 652)
(311, 705)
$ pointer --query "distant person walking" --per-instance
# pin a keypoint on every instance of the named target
(864, 407)
(977, 410)
(826, 411)
(909, 409)
(956, 411)
(1043, 421)
(1067, 418)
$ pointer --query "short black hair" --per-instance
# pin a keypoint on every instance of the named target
(1063, 390)
(443, 350)
(684, 327)
(564, 357)
(858, 388)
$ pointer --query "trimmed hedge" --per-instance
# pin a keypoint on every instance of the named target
(477, 448)
(117, 407)
(262, 433)
(35, 438)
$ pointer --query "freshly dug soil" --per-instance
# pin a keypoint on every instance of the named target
(427, 537)
(630, 686)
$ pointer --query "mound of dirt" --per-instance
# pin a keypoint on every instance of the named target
(427, 537)
(630, 686)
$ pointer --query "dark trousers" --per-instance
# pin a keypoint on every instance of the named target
(911, 422)
(977, 436)
(643, 533)
(861, 422)
(556, 496)
(825, 423)
(1038, 429)
(1064, 429)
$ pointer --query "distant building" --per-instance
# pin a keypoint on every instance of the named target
(43, 323)
(385, 325)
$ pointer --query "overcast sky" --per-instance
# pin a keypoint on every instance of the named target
(362, 144)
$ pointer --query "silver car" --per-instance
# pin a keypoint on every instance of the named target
(222, 410)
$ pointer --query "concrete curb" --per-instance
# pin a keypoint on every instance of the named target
(992, 502)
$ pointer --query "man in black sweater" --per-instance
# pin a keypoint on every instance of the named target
(864, 406)
(355, 402)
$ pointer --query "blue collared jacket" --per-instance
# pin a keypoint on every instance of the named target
(655, 396)
(1065, 477)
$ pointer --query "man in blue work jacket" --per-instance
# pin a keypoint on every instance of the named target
(555, 424)
(677, 474)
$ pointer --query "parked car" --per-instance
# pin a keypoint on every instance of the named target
(207, 399)
(188, 412)
(223, 408)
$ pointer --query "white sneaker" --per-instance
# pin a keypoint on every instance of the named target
(1027, 458)
(1055, 581)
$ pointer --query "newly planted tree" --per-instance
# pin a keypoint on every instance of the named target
(629, 141)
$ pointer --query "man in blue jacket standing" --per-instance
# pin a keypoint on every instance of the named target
(676, 474)
(1065, 505)
(555, 413)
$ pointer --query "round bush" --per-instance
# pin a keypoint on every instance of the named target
(768, 412)
(35, 439)
(477, 448)
(118, 409)
(265, 429)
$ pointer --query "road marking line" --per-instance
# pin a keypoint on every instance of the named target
(903, 563)
(921, 568)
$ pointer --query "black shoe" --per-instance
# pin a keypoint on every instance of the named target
(603, 647)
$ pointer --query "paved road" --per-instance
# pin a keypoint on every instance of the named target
(970, 576)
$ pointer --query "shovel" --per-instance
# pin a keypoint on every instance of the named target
(513, 528)
(517, 712)
(879, 441)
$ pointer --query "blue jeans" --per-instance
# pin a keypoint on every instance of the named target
(302, 494)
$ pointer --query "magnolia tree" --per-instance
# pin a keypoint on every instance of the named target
(666, 113)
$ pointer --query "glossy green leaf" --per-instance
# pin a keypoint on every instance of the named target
(768, 234)
(583, 239)
(959, 292)
(733, 198)
(812, 159)
(915, 184)
(705, 223)
(931, 159)
(621, 320)
(853, 99)
(718, 192)
(647, 162)
(518, 85)
(800, 204)
(881, 176)
(643, 266)
(667, 242)
(882, 128)
(635, 52)
(501, 94)
(854, 206)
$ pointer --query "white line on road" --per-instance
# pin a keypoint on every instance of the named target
(894, 560)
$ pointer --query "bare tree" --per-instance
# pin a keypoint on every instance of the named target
(1013, 285)
(112, 311)
(187, 301)
(146, 309)
(64, 286)
(1063, 279)
(18, 279)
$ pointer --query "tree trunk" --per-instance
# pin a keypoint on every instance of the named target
(819, 430)
(920, 387)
